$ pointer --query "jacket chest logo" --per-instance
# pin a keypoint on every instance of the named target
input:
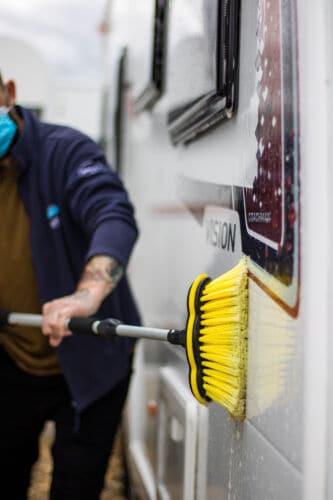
(52, 215)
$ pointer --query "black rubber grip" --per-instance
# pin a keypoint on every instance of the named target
(4, 318)
(108, 328)
(105, 328)
(177, 337)
(81, 325)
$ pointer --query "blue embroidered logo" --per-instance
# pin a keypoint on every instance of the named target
(52, 213)
(87, 168)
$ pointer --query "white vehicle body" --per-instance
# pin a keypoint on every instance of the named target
(257, 184)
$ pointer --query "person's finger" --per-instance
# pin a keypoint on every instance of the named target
(63, 323)
(50, 323)
(46, 327)
(46, 308)
(55, 340)
(46, 330)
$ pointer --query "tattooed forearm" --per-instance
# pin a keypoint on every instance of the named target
(95, 275)
(115, 272)
(81, 293)
(101, 270)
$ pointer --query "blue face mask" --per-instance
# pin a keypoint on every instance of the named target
(8, 129)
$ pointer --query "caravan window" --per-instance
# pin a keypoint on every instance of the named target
(155, 86)
(208, 53)
(120, 111)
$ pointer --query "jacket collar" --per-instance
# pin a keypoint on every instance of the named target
(24, 150)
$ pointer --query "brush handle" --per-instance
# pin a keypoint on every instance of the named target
(13, 318)
(111, 328)
(108, 328)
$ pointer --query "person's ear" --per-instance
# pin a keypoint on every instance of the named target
(11, 92)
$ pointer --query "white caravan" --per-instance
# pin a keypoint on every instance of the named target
(219, 122)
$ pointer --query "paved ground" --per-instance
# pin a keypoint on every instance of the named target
(114, 489)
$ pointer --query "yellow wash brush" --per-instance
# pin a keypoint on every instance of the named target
(222, 338)
(215, 337)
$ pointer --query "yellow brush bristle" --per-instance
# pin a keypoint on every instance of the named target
(223, 339)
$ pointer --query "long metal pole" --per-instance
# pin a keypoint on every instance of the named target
(35, 320)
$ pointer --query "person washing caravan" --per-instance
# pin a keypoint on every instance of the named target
(67, 232)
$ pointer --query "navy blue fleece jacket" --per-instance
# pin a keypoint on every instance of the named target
(78, 208)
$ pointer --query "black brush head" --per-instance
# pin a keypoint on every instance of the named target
(193, 338)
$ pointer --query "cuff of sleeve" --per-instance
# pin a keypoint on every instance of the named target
(114, 238)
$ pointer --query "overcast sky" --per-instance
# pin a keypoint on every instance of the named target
(66, 31)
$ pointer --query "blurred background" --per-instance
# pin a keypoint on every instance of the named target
(59, 44)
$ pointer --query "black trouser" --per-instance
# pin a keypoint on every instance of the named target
(80, 456)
